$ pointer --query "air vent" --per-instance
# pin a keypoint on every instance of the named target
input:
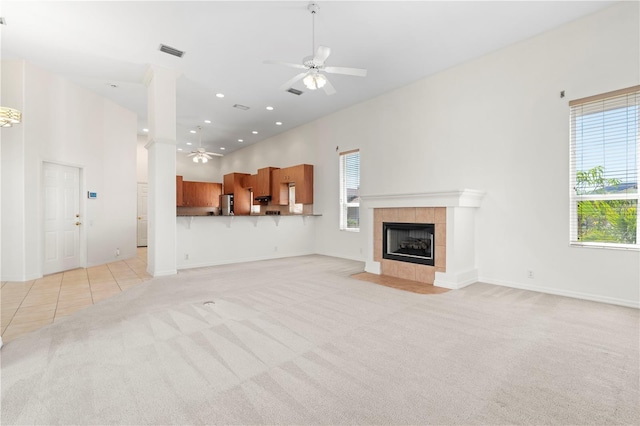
(171, 50)
(294, 91)
(2, 21)
(242, 107)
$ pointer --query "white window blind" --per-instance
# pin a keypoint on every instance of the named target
(350, 190)
(604, 169)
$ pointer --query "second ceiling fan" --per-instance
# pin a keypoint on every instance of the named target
(313, 77)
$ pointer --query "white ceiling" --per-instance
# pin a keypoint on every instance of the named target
(100, 44)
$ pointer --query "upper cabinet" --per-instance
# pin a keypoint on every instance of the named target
(201, 194)
(262, 186)
(301, 176)
(179, 196)
(234, 184)
(197, 194)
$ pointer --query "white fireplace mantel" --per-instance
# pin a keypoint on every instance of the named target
(460, 206)
(455, 198)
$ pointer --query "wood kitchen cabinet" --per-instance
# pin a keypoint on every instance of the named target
(301, 176)
(179, 191)
(201, 194)
(233, 184)
(262, 186)
(249, 182)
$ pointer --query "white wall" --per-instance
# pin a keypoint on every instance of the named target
(142, 163)
(66, 124)
(495, 124)
(216, 240)
(198, 172)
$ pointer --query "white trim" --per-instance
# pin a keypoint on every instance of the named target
(454, 198)
(567, 293)
(456, 281)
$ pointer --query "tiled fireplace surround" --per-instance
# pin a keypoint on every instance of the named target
(452, 213)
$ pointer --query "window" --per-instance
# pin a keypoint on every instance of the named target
(350, 190)
(604, 169)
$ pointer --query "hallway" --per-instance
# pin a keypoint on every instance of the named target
(28, 306)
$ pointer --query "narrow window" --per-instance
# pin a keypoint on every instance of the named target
(350, 190)
(604, 169)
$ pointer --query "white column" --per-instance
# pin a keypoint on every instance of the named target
(161, 148)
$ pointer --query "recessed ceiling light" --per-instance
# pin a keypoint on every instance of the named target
(278, 123)
(255, 132)
(222, 148)
(192, 131)
(240, 140)
(207, 121)
(179, 149)
(189, 143)
(219, 95)
(145, 130)
(269, 108)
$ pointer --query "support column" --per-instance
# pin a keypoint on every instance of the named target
(161, 149)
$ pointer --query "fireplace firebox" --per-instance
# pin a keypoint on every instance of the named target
(409, 242)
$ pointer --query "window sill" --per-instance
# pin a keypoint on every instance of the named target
(350, 230)
(625, 247)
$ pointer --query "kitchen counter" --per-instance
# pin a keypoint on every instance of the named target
(248, 215)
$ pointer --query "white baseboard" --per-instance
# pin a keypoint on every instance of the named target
(457, 280)
(566, 293)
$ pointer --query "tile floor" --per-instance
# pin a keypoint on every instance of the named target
(27, 306)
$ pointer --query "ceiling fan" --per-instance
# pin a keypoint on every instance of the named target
(313, 65)
(200, 154)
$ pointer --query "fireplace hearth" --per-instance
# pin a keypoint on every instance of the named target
(409, 242)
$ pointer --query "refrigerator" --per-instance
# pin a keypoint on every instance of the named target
(226, 205)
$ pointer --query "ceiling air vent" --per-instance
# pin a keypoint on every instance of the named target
(171, 50)
(242, 107)
(294, 91)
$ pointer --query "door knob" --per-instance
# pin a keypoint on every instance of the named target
(139, 218)
(78, 223)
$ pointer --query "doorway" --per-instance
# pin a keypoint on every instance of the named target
(61, 187)
(143, 196)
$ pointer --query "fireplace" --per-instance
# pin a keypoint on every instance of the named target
(409, 242)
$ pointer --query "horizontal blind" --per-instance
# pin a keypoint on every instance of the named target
(350, 190)
(604, 168)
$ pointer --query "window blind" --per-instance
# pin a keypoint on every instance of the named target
(350, 190)
(604, 160)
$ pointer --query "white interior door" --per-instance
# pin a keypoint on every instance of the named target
(61, 218)
(142, 214)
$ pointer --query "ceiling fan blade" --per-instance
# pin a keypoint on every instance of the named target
(286, 64)
(290, 83)
(322, 53)
(358, 72)
(328, 88)
(192, 154)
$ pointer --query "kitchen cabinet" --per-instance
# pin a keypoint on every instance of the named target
(262, 186)
(179, 192)
(233, 184)
(303, 179)
(249, 182)
(201, 194)
(301, 176)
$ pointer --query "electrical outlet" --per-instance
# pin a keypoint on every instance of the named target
(530, 274)
(186, 256)
(275, 248)
(117, 252)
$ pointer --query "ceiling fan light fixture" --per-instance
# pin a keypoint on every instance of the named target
(9, 116)
(314, 81)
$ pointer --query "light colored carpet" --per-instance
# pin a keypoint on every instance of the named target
(296, 341)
